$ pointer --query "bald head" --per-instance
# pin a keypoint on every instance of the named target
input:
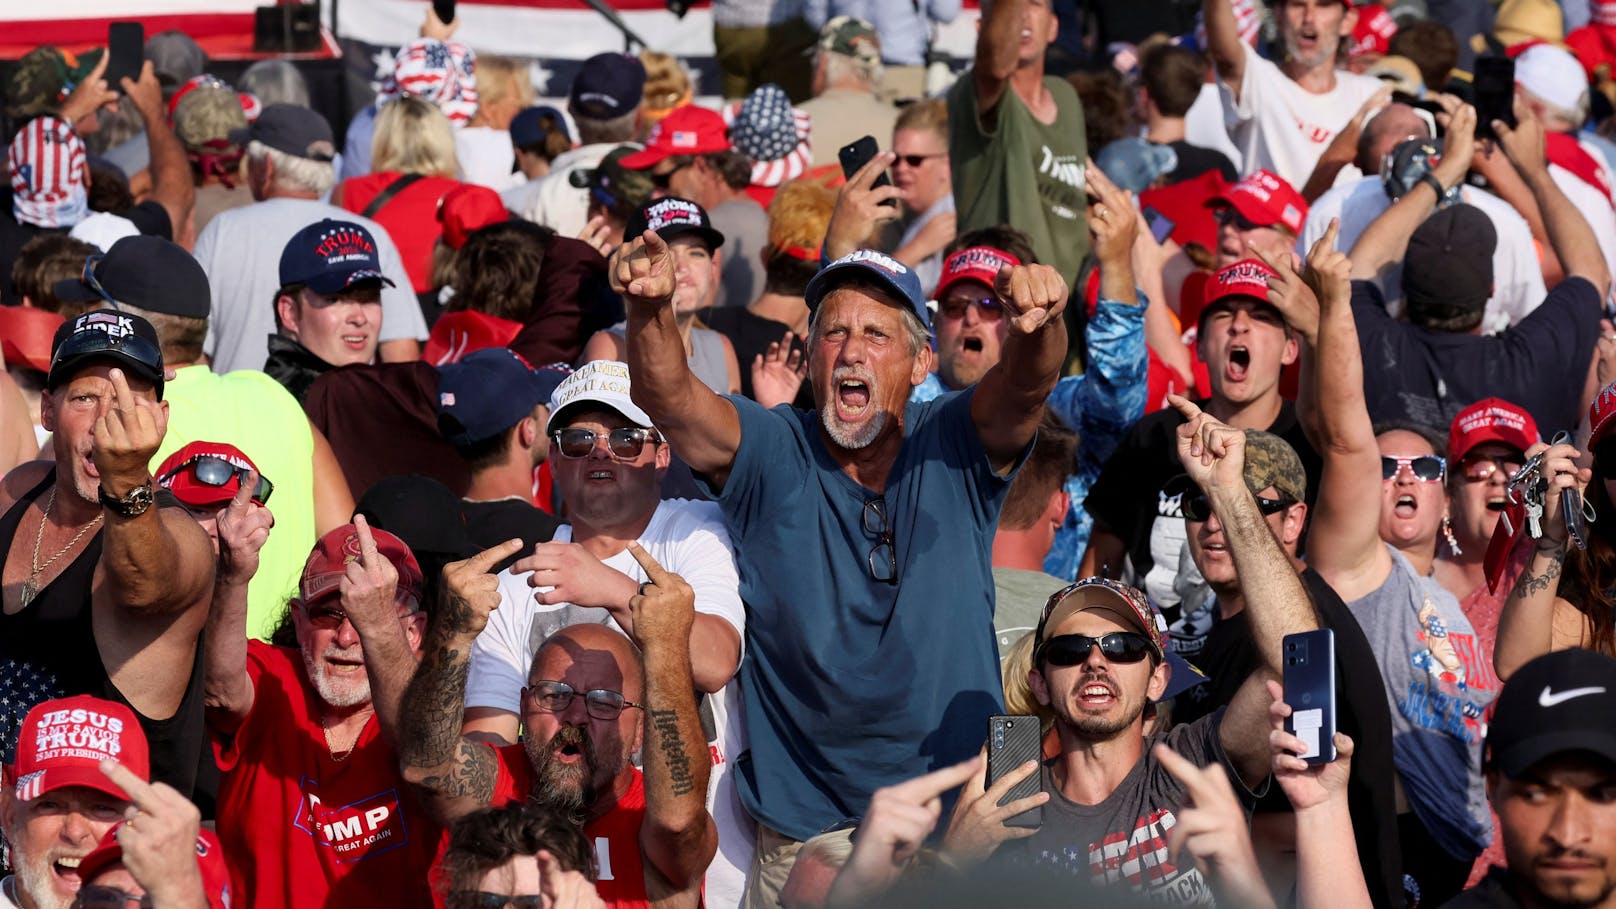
(1394, 124)
(589, 656)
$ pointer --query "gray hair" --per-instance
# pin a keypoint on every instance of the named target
(275, 82)
(1572, 119)
(616, 130)
(292, 173)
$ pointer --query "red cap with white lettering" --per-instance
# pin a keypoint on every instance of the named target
(1266, 200)
(63, 742)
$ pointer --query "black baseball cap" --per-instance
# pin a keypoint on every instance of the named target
(290, 128)
(147, 272)
(670, 217)
(104, 334)
(1449, 262)
(1561, 701)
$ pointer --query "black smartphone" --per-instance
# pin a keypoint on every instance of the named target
(126, 49)
(444, 10)
(1310, 691)
(1013, 741)
(1161, 226)
(1495, 94)
(857, 154)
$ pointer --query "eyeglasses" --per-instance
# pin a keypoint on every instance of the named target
(664, 181)
(90, 280)
(883, 557)
(99, 897)
(1074, 649)
(482, 899)
(1198, 508)
(554, 697)
(954, 307)
(325, 618)
(625, 442)
(917, 160)
(1482, 467)
(1426, 468)
(216, 471)
(1231, 216)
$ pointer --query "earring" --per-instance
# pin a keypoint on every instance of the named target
(1453, 541)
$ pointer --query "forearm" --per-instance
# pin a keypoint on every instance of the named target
(1328, 872)
(1223, 41)
(399, 350)
(457, 774)
(1277, 602)
(687, 412)
(676, 767)
(1342, 412)
(147, 568)
(999, 40)
(389, 664)
(333, 501)
(1570, 237)
(227, 690)
(1386, 239)
(1331, 163)
(170, 173)
(1526, 623)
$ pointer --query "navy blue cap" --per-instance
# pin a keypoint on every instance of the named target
(528, 128)
(670, 217)
(869, 264)
(330, 256)
(290, 128)
(488, 392)
(607, 86)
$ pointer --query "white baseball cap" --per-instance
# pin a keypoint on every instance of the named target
(1552, 74)
(601, 382)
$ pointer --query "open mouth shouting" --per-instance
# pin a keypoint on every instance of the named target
(855, 391)
(1406, 506)
(1238, 366)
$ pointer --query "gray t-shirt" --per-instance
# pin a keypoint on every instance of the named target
(241, 251)
(1433, 669)
(745, 226)
(1122, 841)
(1019, 597)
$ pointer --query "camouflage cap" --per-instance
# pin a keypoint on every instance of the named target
(852, 37)
(43, 79)
(610, 183)
(207, 114)
(1271, 461)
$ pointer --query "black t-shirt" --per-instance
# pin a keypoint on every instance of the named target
(491, 523)
(751, 334)
(1540, 363)
(1229, 656)
(150, 218)
(1195, 160)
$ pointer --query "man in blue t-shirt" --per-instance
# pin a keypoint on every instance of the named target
(863, 531)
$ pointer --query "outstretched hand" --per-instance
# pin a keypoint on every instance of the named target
(471, 591)
(243, 527)
(861, 207)
(1113, 221)
(369, 584)
(777, 374)
(1212, 828)
(1035, 296)
(158, 837)
(895, 825)
(1212, 453)
(642, 271)
(127, 436)
(978, 825)
(1306, 785)
(664, 608)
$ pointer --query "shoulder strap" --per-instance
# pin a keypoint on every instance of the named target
(386, 195)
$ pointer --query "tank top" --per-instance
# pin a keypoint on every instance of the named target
(48, 650)
(706, 356)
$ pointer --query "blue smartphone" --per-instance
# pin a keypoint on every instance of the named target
(1310, 691)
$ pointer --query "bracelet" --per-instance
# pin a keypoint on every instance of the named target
(1429, 179)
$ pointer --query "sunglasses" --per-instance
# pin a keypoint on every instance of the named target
(95, 341)
(482, 899)
(90, 281)
(883, 557)
(989, 308)
(1426, 468)
(664, 181)
(325, 618)
(1198, 508)
(917, 160)
(1482, 467)
(1074, 649)
(625, 442)
(98, 897)
(601, 703)
(216, 471)
(1231, 216)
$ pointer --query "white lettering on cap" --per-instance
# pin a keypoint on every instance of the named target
(111, 323)
(878, 259)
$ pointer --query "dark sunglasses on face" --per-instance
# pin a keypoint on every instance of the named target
(917, 160)
(664, 181)
(1482, 467)
(325, 618)
(1230, 216)
(989, 308)
(1196, 506)
(1074, 649)
(625, 442)
(97, 897)
(1426, 468)
(482, 899)
(600, 703)
(215, 471)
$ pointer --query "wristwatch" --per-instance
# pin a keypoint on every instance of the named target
(132, 503)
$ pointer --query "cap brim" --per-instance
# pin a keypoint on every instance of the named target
(713, 238)
(69, 365)
(1095, 597)
(629, 411)
(336, 283)
(1519, 759)
(73, 290)
(1182, 676)
(70, 777)
(832, 276)
(240, 136)
(644, 158)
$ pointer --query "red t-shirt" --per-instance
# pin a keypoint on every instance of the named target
(303, 829)
(616, 836)
(411, 217)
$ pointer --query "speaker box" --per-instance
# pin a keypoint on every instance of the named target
(287, 28)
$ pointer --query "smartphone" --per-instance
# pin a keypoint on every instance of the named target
(1495, 94)
(1161, 226)
(1309, 672)
(1013, 741)
(126, 49)
(444, 10)
(858, 154)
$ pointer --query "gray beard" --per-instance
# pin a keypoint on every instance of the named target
(855, 438)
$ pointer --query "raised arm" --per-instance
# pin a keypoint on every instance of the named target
(455, 774)
(702, 426)
(170, 169)
(333, 500)
(1569, 234)
(369, 596)
(1383, 243)
(861, 208)
(678, 836)
(1009, 401)
(227, 688)
(998, 52)
(1535, 619)
(1223, 43)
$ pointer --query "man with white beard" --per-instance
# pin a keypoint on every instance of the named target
(311, 803)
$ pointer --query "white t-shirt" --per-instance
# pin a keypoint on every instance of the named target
(556, 203)
(689, 539)
(1517, 274)
(1204, 125)
(487, 158)
(1280, 126)
(1593, 204)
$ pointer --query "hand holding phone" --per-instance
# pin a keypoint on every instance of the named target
(859, 153)
(1309, 671)
(126, 50)
(1012, 742)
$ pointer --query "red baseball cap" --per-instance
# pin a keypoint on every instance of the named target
(1600, 413)
(465, 331)
(62, 743)
(1374, 31)
(466, 208)
(1264, 198)
(26, 335)
(332, 553)
(185, 485)
(688, 130)
(1490, 420)
(209, 860)
(1246, 278)
(975, 263)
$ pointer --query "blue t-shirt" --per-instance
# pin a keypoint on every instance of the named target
(853, 684)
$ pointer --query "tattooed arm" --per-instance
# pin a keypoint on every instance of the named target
(678, 836)
(1535, 620)
(455, 774)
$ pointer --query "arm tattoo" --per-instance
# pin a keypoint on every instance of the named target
(432, 711)
(1532, 584)
(672, 744)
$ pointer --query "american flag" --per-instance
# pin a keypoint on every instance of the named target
(48, 174)
(443, 72)
(22, 686)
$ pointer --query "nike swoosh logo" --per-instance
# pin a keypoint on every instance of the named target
(1550, 698)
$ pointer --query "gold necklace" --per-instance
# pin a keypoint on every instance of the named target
(30, 588)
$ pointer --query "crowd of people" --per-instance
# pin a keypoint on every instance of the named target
(633, 500)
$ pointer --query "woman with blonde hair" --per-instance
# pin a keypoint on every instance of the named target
(667, 86)
(414, 165)
(504, 89)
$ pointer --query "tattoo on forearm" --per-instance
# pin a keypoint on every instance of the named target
(470, 776)
(434, 704)
(672, 743)
(1532, 584)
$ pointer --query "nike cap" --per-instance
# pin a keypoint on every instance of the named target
(1561, 701)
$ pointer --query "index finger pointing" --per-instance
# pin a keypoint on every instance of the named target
(142, 793)
(1185, 771)
(1185, 406)
(653, 569)
(488, 558)
(924, 788)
